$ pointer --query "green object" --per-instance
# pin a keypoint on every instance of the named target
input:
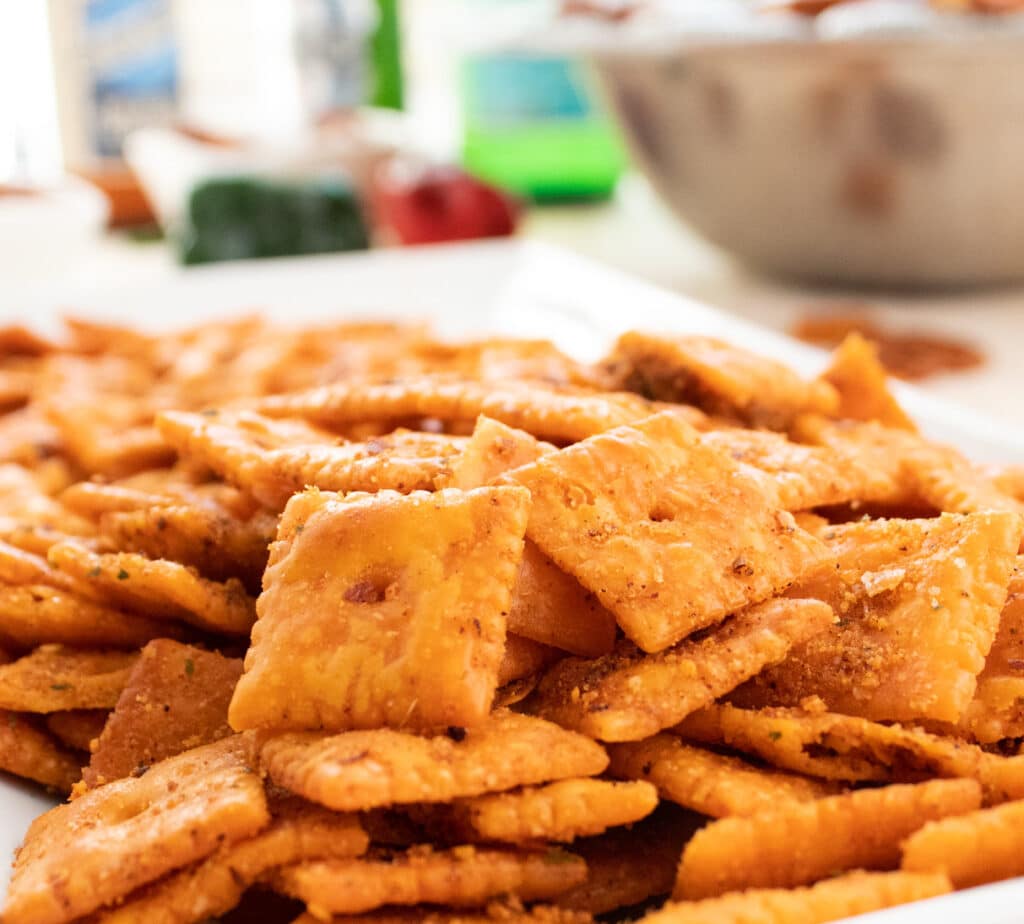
(239, 218)
(532, 126)
(387, 88)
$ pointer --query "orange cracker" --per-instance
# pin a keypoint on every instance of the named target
(560, 413)
(461, 877)
(297, 832)
(973, 849)
(803, 476)
(638, 512)
(918, 603)
(833, 746)
(627, 866)
(524, 658)
(861, 382)
(77, 728)
(274, 459)
(107, 842)
(54, 678)
(800, 843)
(493, 449)
(176, 698)
(627, 696)
(948, 481)
(842, 897)
(22, 499)
(997, 710)
(712, 784)
(158, 588)
(28, 751)
(218, 545)
(355, 771)
(550, 606)
(560, 811)
(720, 378)
(36, 614)
(435, 583)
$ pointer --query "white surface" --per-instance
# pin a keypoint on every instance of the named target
(525, 289)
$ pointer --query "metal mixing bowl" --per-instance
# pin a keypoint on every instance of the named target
(895, 161)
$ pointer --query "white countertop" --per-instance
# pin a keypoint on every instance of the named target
(635, 233)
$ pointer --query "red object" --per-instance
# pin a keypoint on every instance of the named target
(428, 205)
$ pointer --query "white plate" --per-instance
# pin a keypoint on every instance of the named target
(516, 288)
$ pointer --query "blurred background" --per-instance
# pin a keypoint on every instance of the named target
(817, 166)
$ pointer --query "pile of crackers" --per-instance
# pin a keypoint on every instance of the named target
(349, 623)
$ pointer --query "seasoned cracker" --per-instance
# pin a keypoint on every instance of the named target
(834, 747)
(493, 449)
(801, 476)
(627, 696)
(712, 784)
(918, 603)
(107, 842)
(175, 699)
(560, 413)
(640, 511)
(216, 544)
(28, 751)
(802, 842)
(973, 849)
(435, 582)
(54, 678)
(355, 771)
(37, 614)
(158, 588)
(500, 911)
(861, 382)
(842, 897)
(77, 728)
(719, 378)
(550, 607)
(463, 877)
(561, 811)
(298, 832)
(274, 459)
(997, 710)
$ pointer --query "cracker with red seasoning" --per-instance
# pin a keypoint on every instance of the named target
(918, 603)
(360, 770)
(464, 876)
(84, 854)
(642, 510)
(800, 843)
(499, 911)
(719, 378)
(862, 384)
(54, 678)
(718, 785)
(524, 658)
(176, 698)
(997, 710)
(548, 605)
(559, 413)
(833, 746)
(26, 750)
(212, 887)
(562, 811)
(627, 696)
(841, 897)
(274, 459)
(405, 631)
(158, 588)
